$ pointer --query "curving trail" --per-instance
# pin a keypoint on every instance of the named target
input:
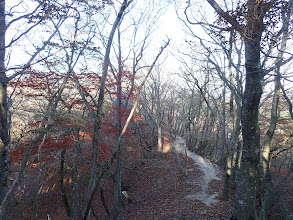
(209, 171)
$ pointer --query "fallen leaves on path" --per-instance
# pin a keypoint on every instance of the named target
(158, 190)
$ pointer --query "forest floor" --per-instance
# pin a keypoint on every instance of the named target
(181, 185)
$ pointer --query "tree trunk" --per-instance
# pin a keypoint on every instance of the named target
(267, 182)
(62, 186)
(152, 126)
(99, 114)
(140, 139)
(234, 133)
(237, 144)
(245, 204)
(117, 178)
(223, 129)
(248, 182)
(4, 134)
(160, 144)
(227, 177)
(268, 185)
(245, 208)
(117, 185)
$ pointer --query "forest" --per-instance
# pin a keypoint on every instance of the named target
(146, 109)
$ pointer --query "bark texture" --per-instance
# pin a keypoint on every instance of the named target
(245, 204)
(245, 208)
(4, 134)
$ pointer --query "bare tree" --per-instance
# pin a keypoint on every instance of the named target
(251, 31)
(41, 15)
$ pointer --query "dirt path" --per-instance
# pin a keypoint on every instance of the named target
(209, 171)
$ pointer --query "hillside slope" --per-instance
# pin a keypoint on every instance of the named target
(178, 186)
(163, 190)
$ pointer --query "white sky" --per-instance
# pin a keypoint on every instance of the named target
(169, 25)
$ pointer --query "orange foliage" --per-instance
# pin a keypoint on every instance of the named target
(86, 135)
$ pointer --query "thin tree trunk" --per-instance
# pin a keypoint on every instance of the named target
(141, 149)
(268, 185)
(62, 187)
(268, 197)
(229, 158)
(45, 125)
(118, 177)
(75, 206)
(223, 129)
(4, 134)
(99, 114)
(94, 178)
(160, 144)
(152, 126)
(117, 185)
(237, 145)
(227, 177)
(104, 200)
(39, 177)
